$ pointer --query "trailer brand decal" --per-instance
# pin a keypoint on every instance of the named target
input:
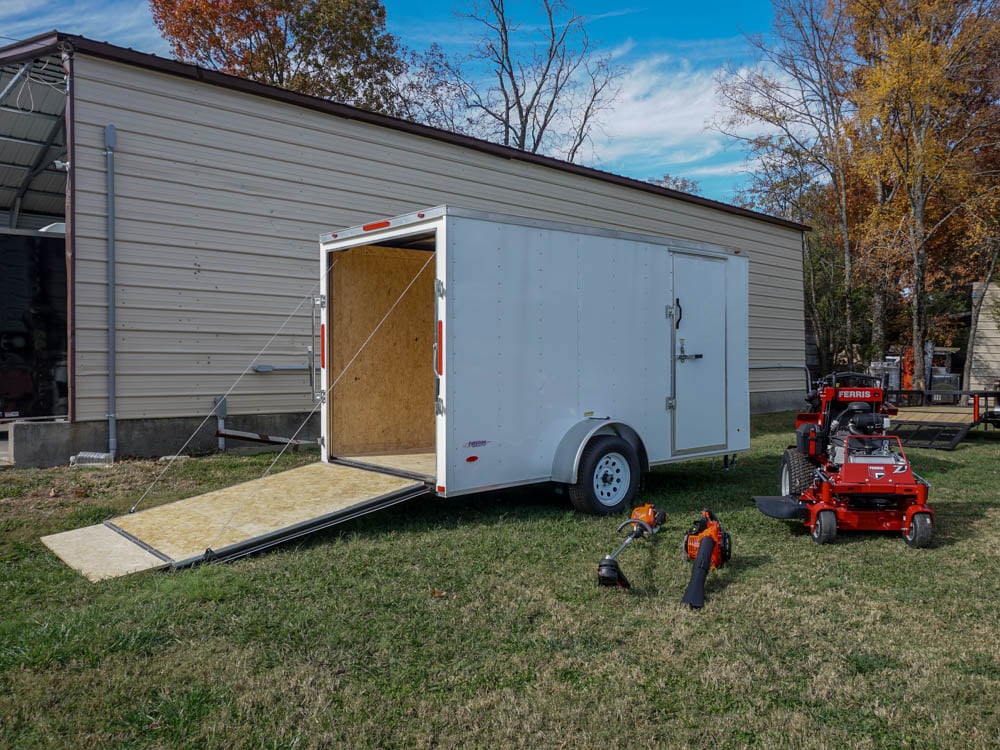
(477, 443)
(844, 393)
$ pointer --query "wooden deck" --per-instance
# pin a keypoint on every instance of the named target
(942, 427)
(224, 522)
(936, 414)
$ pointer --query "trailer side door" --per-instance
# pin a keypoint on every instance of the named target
(699, 348)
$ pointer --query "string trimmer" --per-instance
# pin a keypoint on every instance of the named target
(644, 521)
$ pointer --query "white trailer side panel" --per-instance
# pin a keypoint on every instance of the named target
(547, 327)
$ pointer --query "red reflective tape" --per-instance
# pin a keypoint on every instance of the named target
(322, 345)
(440, 351)
(376, 225)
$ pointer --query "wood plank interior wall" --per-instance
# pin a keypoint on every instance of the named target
(384, 401)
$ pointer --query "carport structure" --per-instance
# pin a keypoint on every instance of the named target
(33, 166)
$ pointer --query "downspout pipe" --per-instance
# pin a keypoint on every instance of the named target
(110, 143)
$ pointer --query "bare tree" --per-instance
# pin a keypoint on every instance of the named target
(682, 184)
(797, 93)
(540, 89)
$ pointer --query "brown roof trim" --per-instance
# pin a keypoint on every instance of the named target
(47, 43)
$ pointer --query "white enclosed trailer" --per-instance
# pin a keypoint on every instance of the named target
(475, 351)
(465, 351)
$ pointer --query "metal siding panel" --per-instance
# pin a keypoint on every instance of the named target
(227, 180)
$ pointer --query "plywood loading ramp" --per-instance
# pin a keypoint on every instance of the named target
(231, 522)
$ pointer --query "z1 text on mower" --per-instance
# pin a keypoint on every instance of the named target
(845, 472)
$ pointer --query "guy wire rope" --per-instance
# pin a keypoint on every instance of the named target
(227, 393)
(326, 394)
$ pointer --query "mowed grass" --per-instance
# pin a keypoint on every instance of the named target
(477, 622)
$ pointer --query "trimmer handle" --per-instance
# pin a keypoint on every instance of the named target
(639, 525)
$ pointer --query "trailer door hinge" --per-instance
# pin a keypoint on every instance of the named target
(320, 301)
(439, 287)
(671, 403)
(670, 312)
(438, 407)
(320, 396)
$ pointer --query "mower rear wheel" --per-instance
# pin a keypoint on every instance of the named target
(608, 477)
(825, 529)
(796, 473)
(921, 531)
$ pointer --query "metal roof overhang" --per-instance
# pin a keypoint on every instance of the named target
(32, 133)
(46, 47)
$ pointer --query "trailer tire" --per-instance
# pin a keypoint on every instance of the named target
(796, 473)
(608, 477)
(921, 531)
(825, 529)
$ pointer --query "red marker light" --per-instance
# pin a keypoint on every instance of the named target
(376, 225)
(471, 459)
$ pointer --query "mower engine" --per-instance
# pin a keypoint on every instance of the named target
(846, 472)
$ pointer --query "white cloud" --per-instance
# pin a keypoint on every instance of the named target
(123, 22)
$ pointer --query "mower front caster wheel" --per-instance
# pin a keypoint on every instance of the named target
(608, 477)
(825, 529)
(921, 531)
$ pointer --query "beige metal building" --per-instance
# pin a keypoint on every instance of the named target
(984, 374)
(210, 192)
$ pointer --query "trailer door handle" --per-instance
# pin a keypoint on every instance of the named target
(685, 357)
(680, 314)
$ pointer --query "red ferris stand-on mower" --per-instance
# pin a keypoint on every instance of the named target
(844, 472)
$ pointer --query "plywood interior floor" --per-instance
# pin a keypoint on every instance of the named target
(423, 464)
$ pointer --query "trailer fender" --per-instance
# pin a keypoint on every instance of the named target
(566, 462)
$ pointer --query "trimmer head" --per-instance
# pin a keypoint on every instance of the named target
(609, 573)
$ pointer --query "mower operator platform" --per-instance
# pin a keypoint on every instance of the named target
(782, 506)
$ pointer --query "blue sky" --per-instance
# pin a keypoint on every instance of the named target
(672, 51)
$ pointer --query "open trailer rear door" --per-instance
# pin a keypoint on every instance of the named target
(231, 522)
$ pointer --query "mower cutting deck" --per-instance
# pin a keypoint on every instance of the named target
(845, 472)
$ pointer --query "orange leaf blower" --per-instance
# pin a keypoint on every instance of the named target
(709, 546)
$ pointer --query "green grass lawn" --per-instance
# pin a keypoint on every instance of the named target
(477, 622)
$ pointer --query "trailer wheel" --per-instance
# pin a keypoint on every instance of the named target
(921, 531)
(825, 529)
(796, 473)
(608, 478)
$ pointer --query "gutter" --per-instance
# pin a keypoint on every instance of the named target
(110, 142)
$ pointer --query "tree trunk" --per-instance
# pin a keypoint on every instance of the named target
(879, 303)
(919, 296)
(848, 285)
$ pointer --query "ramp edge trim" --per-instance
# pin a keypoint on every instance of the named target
(138, 542)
